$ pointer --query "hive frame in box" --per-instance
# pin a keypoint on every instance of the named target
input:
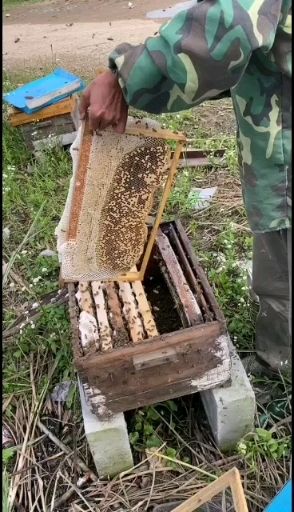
(163, 134)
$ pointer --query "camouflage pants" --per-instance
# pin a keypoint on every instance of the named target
(271, 281)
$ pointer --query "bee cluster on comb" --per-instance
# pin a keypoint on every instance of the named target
(115, 193)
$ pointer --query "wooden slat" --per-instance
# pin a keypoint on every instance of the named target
(144, 308)
(80, 183)
(84, 298)
(231, 479)
(87, 320)
(105, 335)
(148, 320)
(192, 363)
(130, 312)
(74, 316)
(18, 118)
(170, 387)
(156, 134)
(209, 296)
(120, 336)
(187, 299)
(189, 272)
(115, 359)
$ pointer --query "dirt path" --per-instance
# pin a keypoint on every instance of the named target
(82, 11)
(78, 35)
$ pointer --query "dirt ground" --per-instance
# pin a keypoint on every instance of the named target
(78, 35)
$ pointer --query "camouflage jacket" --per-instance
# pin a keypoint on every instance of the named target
(216, 45)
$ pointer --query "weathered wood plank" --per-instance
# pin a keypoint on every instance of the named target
(80, 183)
(170, 390)
(199, 271)
(87, 320)
(84, 298)
(18, 118)
(189, 273)
(171, 365)
(105, 334)
(74, 320)
(187, 370)
(174, 295)
(191, 336)
(144, 308)
(130, 312)
(120, 336)
(191, 309)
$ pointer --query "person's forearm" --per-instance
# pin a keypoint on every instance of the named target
(199, 54)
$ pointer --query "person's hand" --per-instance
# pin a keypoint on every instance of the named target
(104, 104)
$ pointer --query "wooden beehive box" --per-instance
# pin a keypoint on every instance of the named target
(56, 123)
(157, 340)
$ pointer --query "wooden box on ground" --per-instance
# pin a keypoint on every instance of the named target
(156, 340)
(56, 123)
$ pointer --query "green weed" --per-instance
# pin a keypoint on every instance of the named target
(14, 3)
(34, 194)
(263, 444)
(148, 430)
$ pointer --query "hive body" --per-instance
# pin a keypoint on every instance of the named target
(119, 179)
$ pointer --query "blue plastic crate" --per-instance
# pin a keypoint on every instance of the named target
(51, 84)
(283, 501)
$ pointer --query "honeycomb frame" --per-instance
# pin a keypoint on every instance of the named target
(140, 129)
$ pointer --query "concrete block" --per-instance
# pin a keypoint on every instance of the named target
(108, 441)
(230, 408)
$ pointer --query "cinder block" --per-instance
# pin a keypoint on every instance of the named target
(108, 441)
(230, 408)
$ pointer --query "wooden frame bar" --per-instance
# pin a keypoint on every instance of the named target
(231, 479)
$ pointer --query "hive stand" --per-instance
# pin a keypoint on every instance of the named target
(127, 360)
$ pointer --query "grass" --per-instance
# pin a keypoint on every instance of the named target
(8, 4)
(181, 454)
